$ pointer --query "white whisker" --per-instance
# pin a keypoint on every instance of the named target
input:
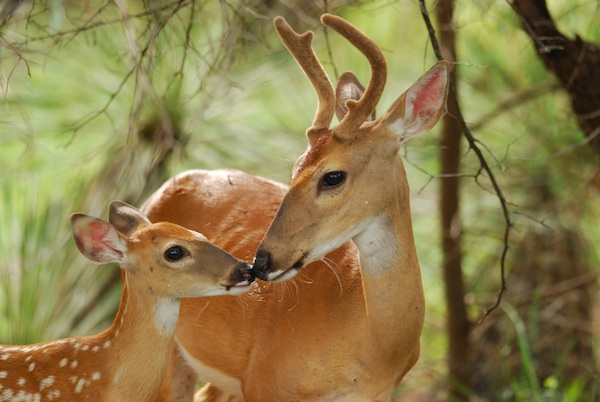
(303, 278)
(332, 266)
(297, 294)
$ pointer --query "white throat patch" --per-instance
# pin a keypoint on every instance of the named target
(166, 314)
(377, 246)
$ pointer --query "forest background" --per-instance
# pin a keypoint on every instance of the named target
(105, 100)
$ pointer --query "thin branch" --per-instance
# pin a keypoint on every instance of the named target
(484, 165)
(514, 102)
(188, 38)
(91, 19)
(328, 44)
(143, 80)
(90, 26)
(93, 115)
(541, 222)
(591, 137)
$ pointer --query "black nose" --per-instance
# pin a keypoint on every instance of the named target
(262, 260)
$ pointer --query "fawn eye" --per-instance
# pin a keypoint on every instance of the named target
(333, 179)
(175, 253)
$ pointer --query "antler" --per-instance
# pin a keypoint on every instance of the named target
(359, 111)
(300, 47)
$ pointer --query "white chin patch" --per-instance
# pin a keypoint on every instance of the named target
(221, 291)
(240, 288)
(282, 276)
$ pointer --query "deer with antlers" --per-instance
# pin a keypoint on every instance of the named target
(162, 263)
(340, 308)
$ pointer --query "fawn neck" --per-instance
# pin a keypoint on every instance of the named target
(144, 328)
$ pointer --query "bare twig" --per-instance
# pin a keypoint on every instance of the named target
(90, 26)
(328, 44)
(484, 165)
(513, 102)
(93, 115)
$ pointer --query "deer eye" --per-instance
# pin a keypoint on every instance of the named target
(175, 253)
(333, 179)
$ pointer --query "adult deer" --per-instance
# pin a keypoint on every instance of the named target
(162, 263)
(345, 325)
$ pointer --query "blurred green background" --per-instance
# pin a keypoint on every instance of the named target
(105, 100)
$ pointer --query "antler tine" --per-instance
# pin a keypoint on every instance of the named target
(359, 111)
(300, 47)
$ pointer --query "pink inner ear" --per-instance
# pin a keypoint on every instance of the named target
(98, 236)
(427, 96)
(97, 232)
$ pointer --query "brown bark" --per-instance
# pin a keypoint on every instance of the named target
(450, 152)
(576, 64)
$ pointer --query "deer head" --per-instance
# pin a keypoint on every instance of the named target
(178, 262)
(351, 174)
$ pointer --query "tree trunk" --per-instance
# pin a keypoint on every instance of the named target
(450, 154)
(575, 63)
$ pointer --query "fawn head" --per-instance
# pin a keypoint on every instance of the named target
(174, 262)
(352, 173)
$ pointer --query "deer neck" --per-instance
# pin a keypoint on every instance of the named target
(140, 339)
(390, 272)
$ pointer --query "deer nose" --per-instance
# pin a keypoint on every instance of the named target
(262, 260)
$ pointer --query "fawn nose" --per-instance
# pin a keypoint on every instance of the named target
(247, 273)
(243, 273)
(262, 260)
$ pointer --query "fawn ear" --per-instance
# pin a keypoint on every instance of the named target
(420, 107)
(98, 240)
(348, 87)
(126, 218)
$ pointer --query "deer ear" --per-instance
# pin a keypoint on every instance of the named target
(348, 87)
(421, 106)
(125, 218)
(98, 240)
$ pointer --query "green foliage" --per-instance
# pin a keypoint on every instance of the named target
(45, 284)
(528, 388)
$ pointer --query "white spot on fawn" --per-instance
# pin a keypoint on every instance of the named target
(3, 374)
(106, 344)
(23, 396)
(79, 385)
(5, 356)
(118, 375)
(21, 381)
(95, 349)
(63, 362)
(31, 367)
(74, 364)
(96, 376)
(54, 394)
(46, 382)
(85, 347)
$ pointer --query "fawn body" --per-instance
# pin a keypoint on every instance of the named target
(162, 263)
